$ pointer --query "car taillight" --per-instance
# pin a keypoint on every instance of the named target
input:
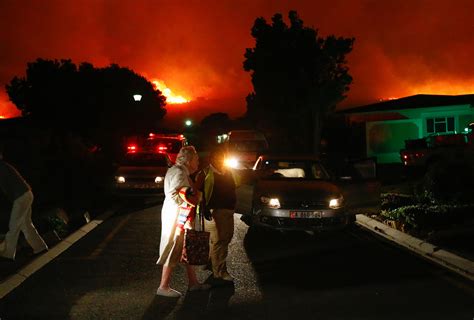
(132, 148)
(162, 148)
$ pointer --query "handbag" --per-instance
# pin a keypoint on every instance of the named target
(196, 245)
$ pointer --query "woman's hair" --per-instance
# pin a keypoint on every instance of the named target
(185, 155)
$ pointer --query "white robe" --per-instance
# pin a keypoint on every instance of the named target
(171, 243)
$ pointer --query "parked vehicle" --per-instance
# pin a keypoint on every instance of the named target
(424, 152)
(243, 148)
(141, 173)
(288, 192)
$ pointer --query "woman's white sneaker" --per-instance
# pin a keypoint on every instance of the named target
(170, 293)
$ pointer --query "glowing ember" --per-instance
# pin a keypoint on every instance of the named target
(170, 96)
(389, 98)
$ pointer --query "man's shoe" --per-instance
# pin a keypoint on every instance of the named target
(6, 255)
(170, 293)
(199, 287)
(227, 277)
(35, 252)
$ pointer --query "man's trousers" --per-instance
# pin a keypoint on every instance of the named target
(222, 230)
(20, 221)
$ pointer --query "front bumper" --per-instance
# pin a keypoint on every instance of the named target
(283, 219)
(134, 189)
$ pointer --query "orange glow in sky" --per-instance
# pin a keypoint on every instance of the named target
(171, 97)
(198, 47)
(445, 87)
(434, 87)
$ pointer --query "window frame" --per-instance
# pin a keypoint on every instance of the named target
(446, 121)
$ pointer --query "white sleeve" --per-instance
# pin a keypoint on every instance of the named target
(177, 180)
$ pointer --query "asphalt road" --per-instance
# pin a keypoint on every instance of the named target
(111, 274)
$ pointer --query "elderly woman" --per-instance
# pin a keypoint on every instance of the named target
(177, 181)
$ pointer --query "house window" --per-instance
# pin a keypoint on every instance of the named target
(440, 125)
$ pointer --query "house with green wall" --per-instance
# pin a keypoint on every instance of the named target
(389, 123)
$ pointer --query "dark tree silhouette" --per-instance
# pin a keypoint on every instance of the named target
(216, 123)
(95, 103)
(213, 125)
(298, 78)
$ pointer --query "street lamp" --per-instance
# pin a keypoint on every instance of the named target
(137, 97)
(188, 123)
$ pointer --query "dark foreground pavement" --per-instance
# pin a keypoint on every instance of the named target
(111, 274)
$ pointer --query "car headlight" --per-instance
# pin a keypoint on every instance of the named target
(273, 203)
(231, 162)
(120, 179)
(159, 179)
(335, 203)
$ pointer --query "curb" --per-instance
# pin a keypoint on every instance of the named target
(16, 279)
(446, 259)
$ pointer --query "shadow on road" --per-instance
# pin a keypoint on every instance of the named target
(160, 308)
(320, 262)
(212, 304)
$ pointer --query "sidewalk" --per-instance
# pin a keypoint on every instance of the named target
(13, 273)
(444, 258)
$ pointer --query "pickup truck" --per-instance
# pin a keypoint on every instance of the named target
(429, 150)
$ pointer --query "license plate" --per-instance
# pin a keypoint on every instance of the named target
(144, 186)
(305, 214)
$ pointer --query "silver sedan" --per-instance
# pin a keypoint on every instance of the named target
(300, 193)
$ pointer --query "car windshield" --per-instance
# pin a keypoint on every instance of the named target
(247, 145)
(294, 169)
(145, 160)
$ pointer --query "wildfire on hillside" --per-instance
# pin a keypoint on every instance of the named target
(171, 97)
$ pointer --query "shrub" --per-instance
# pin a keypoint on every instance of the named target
(430, 216)
(58, 225)
(447, 181)
(390, 201)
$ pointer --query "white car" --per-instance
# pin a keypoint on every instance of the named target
(141, 174)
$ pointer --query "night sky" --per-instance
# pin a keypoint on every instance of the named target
(196, 47)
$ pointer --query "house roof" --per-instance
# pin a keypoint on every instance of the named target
(414, 102)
